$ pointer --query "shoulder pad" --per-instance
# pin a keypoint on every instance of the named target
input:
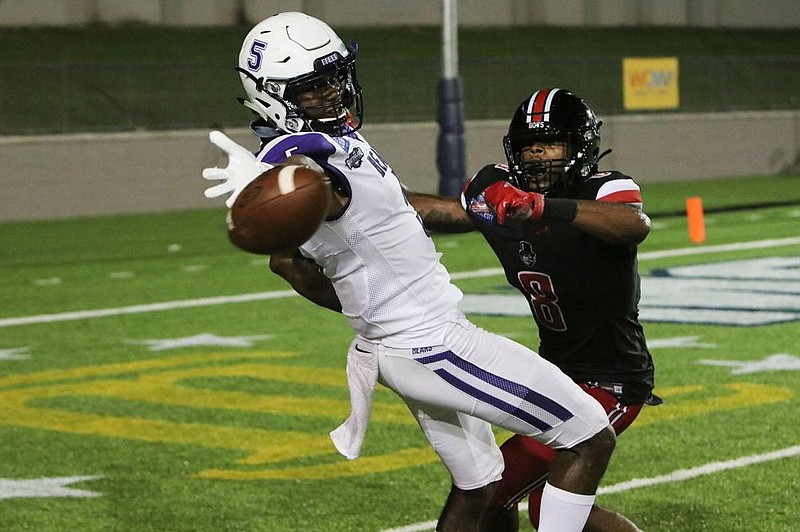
(318, 146)
(472, 197)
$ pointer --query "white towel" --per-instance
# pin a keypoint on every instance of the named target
(362, 374)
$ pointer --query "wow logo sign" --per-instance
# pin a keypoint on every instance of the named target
(650, 83)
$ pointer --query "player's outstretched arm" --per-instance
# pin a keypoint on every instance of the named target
(615, 223)
(305, 277)
(243, 167)
(439, 213)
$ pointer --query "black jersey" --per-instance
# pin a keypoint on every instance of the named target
(582, 291)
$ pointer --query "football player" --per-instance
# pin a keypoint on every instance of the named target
(372, 260)
(566, 235)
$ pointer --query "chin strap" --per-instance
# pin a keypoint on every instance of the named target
(258, 81)
(249, 105)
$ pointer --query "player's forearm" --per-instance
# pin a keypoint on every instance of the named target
(306, 279)
(614, 223)
(441, 214)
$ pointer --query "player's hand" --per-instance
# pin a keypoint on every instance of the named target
(242, 168)
(510, 202)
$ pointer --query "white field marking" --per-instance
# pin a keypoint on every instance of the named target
(681, 342)
(668, 253)
(701, 250)
(707, 469)
(152, 307)
(202, 339)
(776, 362)
(258, 296)
(676, 476)
(15, 353)
(47, 282)
(45, 487)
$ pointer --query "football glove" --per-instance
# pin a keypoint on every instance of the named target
(510, 202)
(242, 168)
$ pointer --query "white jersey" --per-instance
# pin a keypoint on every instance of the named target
(383, 265)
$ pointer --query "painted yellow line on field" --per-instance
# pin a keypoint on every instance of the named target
(33, 401)
(151, 386)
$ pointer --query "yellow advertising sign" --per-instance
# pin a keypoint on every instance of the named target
(650, 83)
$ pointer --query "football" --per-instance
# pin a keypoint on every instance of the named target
(279, 210)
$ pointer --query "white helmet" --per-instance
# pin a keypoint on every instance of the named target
(290, 53)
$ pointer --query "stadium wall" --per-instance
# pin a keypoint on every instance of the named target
(65, 176)
(342, 13)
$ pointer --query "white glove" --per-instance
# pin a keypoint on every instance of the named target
(242, 168)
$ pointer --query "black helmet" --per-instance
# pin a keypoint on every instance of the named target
(553, 115)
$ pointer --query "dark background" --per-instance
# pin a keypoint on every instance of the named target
(124, 78)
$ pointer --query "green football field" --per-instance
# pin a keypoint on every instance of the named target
(154, 378)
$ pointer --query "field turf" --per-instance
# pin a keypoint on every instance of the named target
(153, 378)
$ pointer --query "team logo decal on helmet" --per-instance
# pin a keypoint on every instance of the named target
(537, 113)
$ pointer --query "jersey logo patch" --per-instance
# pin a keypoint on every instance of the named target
(599, 175)
(526, 254)
(478, 207)
(354, 158)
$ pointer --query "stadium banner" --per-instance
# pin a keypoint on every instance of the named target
(650, 83)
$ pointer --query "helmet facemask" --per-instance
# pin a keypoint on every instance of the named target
(329, 113)
(538, 175)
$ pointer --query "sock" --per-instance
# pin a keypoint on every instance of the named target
(563, 511)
